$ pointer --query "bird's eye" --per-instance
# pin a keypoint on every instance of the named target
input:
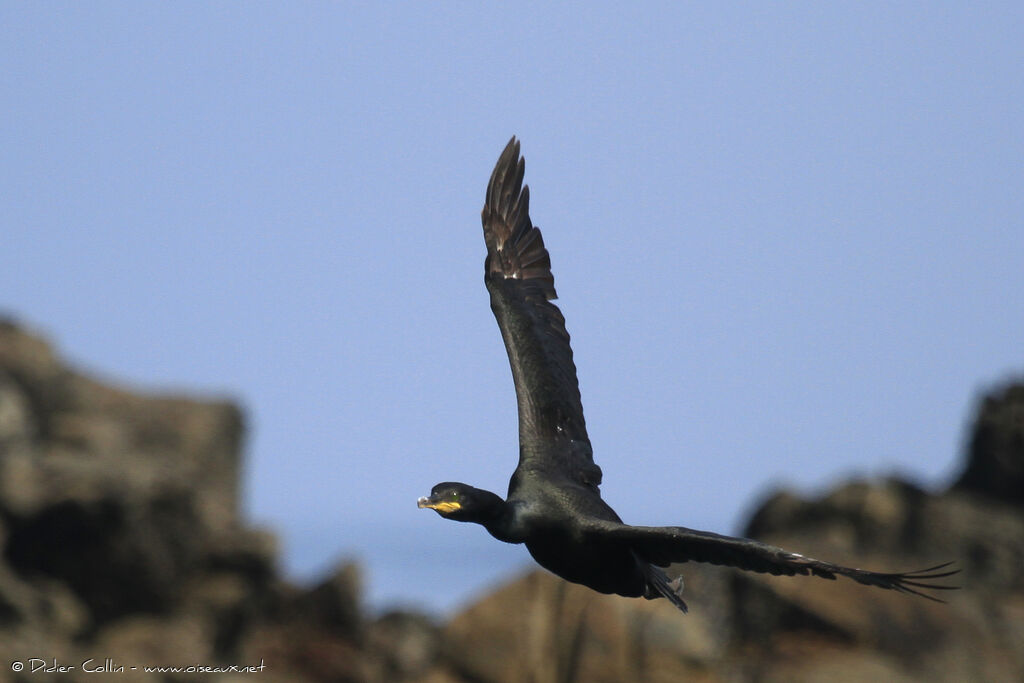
(455, 495)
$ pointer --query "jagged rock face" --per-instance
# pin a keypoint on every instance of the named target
(541, 628)
(749, 627)
(995, 462)
(120, 536)
(892, 525)
(116, 509)
(888, 525)
(118, 496)
(68, 438)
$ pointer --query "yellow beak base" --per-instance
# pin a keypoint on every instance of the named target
(444, 507)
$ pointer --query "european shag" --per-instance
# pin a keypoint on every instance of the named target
(554, 505)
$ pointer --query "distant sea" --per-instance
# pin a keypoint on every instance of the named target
(436, 571)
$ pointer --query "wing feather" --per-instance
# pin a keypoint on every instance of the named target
(665, 545)
(517, 272)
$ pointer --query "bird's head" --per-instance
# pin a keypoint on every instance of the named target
(462, 502)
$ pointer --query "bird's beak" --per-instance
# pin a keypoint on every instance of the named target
(443, 507)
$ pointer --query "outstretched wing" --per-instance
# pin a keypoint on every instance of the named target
(665, 545)
(517, 271)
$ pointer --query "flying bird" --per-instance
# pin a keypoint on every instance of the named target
(554, 503)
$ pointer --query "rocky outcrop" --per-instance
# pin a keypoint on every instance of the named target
(120, 529)
(121, 538)
(995, 468)
(749, 627)
(978, 635)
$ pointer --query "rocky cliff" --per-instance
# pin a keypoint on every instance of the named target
(121, 539)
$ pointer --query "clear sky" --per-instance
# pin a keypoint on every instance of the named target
(788, 241)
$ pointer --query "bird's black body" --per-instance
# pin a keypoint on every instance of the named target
(554, 503)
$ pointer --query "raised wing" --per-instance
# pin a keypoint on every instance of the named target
(517, 271)
(664, 545)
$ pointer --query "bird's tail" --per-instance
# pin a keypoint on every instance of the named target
(659, 586)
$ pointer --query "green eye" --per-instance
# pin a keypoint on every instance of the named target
(455, 495)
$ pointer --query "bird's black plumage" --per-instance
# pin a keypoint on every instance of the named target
(554, 504)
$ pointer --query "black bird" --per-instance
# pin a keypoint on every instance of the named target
(554, 505)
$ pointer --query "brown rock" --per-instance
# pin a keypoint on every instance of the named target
(121, 537)
(995, 460)
(540, 628)
(334, 602)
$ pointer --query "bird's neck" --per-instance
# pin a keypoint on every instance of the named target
(499, 519)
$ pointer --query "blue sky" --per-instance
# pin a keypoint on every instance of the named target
(788, 241)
